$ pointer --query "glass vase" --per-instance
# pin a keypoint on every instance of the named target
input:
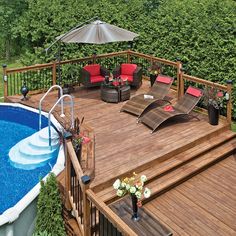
(135, 215)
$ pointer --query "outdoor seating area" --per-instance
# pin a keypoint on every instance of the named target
(180, 149)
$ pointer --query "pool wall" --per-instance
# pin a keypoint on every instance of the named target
(19, 220)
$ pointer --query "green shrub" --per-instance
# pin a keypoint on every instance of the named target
(49, 209)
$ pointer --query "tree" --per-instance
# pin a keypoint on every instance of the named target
(10, 11)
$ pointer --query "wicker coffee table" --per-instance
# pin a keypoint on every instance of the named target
(115, 94)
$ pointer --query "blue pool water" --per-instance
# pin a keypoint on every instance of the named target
(16, 124)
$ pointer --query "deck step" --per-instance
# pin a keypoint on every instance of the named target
(190, 169)
(159, 169)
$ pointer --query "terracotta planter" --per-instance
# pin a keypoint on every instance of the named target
(213, 114)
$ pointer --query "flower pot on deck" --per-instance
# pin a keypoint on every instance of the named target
(213, 114)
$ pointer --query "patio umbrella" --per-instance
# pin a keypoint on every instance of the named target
(97, 32)
(93, 32)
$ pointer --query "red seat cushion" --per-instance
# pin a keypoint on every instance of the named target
(96, 79)
(194, 92)
(128, 69)
(93, 69)
(163, 79)
(129, 78)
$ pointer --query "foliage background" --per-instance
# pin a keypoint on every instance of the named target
(202, 33)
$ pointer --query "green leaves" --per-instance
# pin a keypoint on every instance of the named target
(49, 209)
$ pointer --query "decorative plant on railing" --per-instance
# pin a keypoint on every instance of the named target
(135, 187)
(214, 100)
(78, 137)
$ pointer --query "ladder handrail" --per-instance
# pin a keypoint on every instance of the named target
(41, 100)
(71, 111)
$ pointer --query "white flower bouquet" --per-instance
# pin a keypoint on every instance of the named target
(133, 186)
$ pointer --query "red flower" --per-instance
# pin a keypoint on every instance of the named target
(220, 94)
(139, 203)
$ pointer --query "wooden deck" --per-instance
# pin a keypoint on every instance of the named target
(203, 205)
(123, 146)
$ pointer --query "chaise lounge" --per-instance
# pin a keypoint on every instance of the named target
(155, 117)
(138, 104)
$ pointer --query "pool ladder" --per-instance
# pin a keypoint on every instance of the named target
(61, 99)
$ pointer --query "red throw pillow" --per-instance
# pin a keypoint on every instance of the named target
(163, 79)
(194, 92)
(128, 69)
(93, 69)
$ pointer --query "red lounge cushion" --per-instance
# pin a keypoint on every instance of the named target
(168, 108)
(194, 92)
(96, 79)
(128, 78)
(128, 69)
(93, 69)
(163, 79)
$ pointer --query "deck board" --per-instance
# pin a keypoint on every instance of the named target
(203, 205)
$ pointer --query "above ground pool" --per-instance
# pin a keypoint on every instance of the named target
(17, 185)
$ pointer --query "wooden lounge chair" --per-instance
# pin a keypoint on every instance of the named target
(184, 106)
(138, 104)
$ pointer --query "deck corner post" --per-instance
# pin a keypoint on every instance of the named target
(54, 73)
(86, 206)
(4, 67)
(229, 102)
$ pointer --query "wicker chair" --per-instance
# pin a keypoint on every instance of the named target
(130, 72)
(138, 104)
(155, 117)
(93, 75)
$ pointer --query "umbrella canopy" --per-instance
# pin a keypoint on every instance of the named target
(97, 32)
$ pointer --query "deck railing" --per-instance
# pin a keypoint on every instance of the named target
(93, 216)
(41, 77)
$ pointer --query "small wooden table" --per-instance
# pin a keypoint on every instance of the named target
(147, 225)
(115, 93)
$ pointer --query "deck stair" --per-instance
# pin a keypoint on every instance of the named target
(164, 175)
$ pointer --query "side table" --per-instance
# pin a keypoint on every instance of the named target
(115, 93)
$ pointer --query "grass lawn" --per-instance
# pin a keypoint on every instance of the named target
(13, 63)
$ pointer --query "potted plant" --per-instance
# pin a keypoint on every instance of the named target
(154, 70)
(214, 101)
(135, 187)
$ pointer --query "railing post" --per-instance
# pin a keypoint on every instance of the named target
(54, 73)
(4, 67)
(229, 102)
(180, 82)
(86, 206)
(67, 138)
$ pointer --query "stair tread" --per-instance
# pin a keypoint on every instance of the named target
(160, 168)
(192, 166)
